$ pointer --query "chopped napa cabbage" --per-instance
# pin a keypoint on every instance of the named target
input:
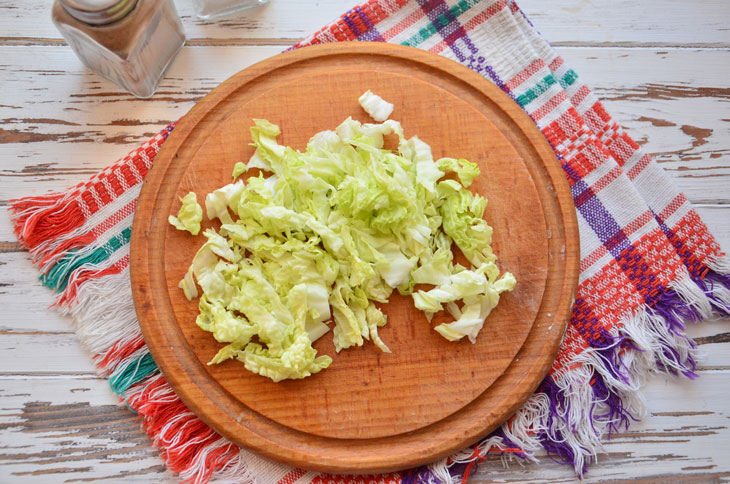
(189, 216)
(318, 237)
(378, 108)
(217, 202)
(464, 169)
(477, 293)
(239, 169)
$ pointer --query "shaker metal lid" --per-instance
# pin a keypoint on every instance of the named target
(98, 12)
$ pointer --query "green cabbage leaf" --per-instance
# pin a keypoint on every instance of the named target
(189, 216)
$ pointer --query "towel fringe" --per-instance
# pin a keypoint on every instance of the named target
(599, 392)
(716, 286)
(107, 331)
(188, 446)
(38, 221)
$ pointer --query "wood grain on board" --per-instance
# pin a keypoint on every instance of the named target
(660, 66)
(456, 392)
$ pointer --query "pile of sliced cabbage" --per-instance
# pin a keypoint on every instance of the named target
(318, 238)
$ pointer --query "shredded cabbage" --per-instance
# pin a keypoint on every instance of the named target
(324, 235)
(239, 169)
(378, 108)
(189, 216)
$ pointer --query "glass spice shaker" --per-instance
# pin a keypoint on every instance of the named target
(208, 9)
(129, 42)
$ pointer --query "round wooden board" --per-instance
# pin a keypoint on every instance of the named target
(370, 411)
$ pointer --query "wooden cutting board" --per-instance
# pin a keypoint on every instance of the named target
(370, 411)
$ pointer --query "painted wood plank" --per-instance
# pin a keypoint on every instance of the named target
(617, 22)
(26, 303)
(73, 123)
(59, 429)
(72, 428)
(43, 353)
(583, 22)
(713, 340)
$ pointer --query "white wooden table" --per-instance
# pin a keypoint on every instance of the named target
(662, 67)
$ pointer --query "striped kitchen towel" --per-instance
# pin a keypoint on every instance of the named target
(648, 263)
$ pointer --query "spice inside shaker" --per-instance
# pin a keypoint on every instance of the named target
(129, 42)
